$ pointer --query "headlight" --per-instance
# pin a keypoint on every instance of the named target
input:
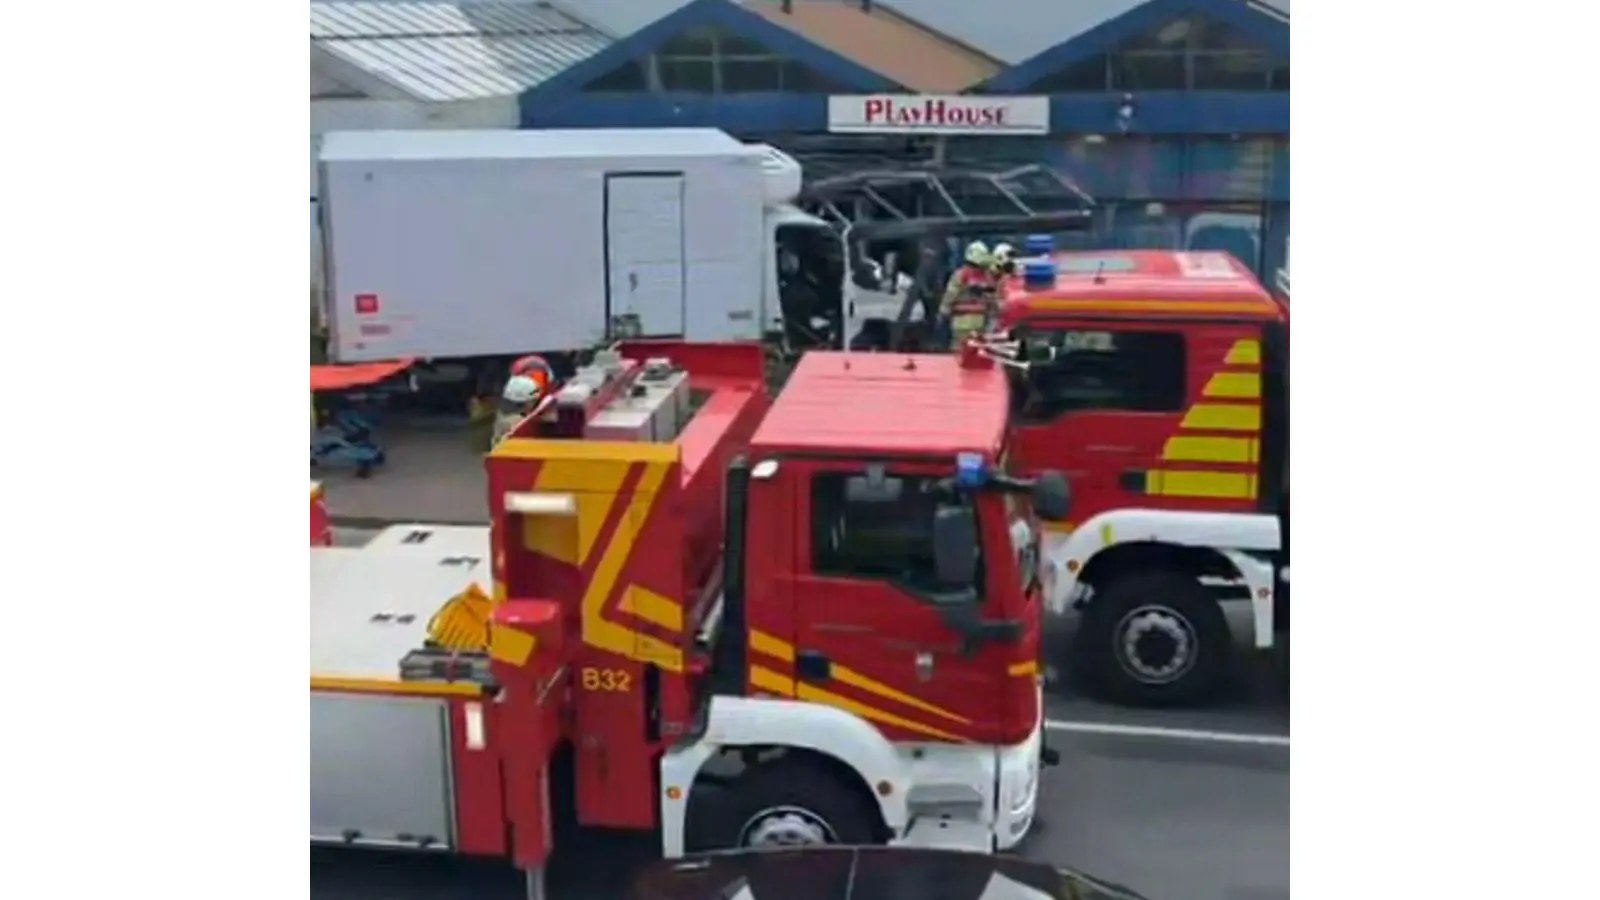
(1021, 793)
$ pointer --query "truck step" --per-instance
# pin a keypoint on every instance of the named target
(950, 800)
(938, 833)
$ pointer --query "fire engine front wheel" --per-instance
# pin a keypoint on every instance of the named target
(1153, 639)
(787, 803)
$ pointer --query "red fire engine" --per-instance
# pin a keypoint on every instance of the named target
(1158, 383)
(739, 621)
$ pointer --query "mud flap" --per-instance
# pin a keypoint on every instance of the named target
(1048, 756)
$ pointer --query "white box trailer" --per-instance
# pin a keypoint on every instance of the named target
(471, 244)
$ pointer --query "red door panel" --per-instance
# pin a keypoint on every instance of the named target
(1103, 411)
(1146, 414)
(867, 645)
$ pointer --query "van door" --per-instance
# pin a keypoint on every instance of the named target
(864, 640)
(1145, 413)
(644, 254)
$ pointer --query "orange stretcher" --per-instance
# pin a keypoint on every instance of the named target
(343, 378)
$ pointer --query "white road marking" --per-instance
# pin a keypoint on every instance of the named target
(1171, 734)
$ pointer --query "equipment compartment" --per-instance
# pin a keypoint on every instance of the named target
(380, 771)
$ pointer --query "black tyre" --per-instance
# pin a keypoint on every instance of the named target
(1153, 639)
(786, 803)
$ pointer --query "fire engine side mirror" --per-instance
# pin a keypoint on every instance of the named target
(955, 546)
(1051, 496)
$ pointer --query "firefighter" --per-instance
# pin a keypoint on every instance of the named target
(1003, 261)
(521, 395)
(969, 296)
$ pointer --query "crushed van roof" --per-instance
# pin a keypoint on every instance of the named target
(886, 403)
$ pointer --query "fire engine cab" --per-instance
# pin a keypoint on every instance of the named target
(740, 622)
(1157, 382)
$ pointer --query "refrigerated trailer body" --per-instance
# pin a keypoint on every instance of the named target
(466, 244)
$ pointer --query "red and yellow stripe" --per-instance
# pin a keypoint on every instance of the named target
(1216, 452)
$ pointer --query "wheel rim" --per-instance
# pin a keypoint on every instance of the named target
(1157, 644)
(786, 826)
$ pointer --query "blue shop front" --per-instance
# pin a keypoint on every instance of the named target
(1173, 115)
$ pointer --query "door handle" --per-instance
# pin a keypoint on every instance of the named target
(813, 666)
(1132, 480)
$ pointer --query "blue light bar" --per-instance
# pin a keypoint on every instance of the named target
(1039, 274)
(1039, 244)
(970, 470)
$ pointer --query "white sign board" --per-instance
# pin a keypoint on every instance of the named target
(937, 114)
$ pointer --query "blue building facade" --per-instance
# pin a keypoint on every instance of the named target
(1173, 114)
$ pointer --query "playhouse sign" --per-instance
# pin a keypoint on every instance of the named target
(937, 114)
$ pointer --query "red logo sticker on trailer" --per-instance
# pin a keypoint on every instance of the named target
(366, 304)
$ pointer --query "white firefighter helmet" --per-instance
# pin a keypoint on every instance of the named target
(977, 254)
(1004, 253)
(521, 389)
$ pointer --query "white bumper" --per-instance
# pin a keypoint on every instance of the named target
(1019, 789)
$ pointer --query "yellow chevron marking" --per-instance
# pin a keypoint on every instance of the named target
(772, 646)
(1244, 353)
(586, 451)
(1216, 485)
(1235, 385)
(1185, 448)
(1023, 669)
(768, 680)
(767, 645)
(1222, 417)
(598, 631)
(594, 485)
(652, 607)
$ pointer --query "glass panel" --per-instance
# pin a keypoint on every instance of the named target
(1229, 169)
(697, 41)
(1148, 71)
(730, 44)
(1280, 171)
(1128, 168)
(1088, 75)
(1231, 70)
(1280, 78)
(801, 79)
(627, 77)
(746, 75)
(688, 76)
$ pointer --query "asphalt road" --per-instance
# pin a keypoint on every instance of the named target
(1179, 805)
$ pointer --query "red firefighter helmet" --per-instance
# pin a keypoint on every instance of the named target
(536, 368)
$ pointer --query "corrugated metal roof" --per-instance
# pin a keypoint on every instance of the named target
(444, 51)
(900, 49)
(1026, 27)
(621, 18)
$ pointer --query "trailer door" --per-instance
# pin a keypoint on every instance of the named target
(644, 252)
